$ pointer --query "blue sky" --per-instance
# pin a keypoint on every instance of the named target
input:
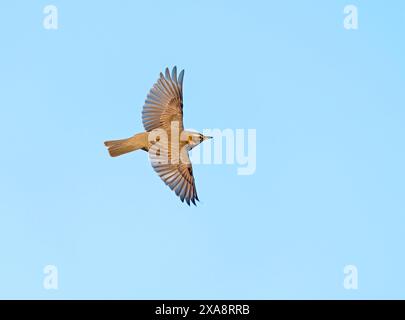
(328, 191)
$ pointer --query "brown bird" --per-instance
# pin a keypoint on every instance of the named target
(165, 139)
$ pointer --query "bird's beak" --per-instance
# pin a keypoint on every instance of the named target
(207, 137)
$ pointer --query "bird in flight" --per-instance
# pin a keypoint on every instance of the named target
(164, 138)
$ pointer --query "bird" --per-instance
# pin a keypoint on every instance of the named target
(164, 137)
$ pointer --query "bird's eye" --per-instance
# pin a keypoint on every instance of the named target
(190, 138)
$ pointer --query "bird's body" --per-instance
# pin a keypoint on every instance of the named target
(165, 139)
(141, 141)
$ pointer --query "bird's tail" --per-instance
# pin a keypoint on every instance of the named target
(119, 147)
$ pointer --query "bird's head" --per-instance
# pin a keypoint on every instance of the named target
(195, 138)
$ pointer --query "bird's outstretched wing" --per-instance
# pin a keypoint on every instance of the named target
(164, 102)
(178, 176)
